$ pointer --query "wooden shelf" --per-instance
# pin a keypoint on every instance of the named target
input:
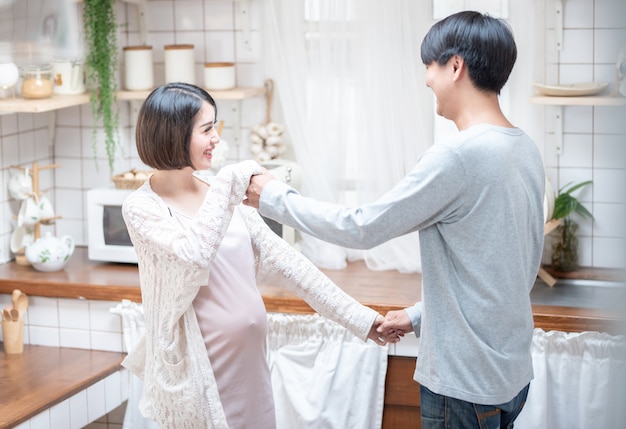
(231, 94)
(594, 100)
(42, 377)
(56, 102)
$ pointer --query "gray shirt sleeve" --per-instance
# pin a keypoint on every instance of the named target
(428, 194)
(415, 315)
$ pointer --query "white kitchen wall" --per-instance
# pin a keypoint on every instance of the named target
(215, 27)
(594, 143)
(594, 138)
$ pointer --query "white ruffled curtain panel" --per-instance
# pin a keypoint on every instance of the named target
(323, 376)
(579, 382)
(350, 83)
(133, 328)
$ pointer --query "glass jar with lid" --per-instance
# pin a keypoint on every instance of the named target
(37, 81)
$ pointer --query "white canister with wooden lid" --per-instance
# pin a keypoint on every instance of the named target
(179, 64)
(138, 68)
(219, 76)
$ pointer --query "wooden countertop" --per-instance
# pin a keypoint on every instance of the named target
(45, 376)
(381, 290)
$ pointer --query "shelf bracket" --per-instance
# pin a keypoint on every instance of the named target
(558, 24)
(557, 126)
(135, 106)
(141, 14)
(236, 124)
(244, 10)
(52, 120)
(143, 30)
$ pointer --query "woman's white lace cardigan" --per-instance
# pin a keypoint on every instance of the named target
(179, 390)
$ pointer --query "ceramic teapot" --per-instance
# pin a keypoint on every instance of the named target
(50, 253)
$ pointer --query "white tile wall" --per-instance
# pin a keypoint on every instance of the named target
(89, 405)
(594, 139)
(74, 323)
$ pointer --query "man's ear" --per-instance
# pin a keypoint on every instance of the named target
(458, 66)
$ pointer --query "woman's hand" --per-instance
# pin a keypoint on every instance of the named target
(383, 337)
(396, 323)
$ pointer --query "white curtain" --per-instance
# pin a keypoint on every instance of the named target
(133, 328)
(579, 382)
(323, 376)
(351, 86)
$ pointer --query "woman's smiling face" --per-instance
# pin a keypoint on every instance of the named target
(204, 137)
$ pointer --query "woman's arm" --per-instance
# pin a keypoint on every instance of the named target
(278, 259)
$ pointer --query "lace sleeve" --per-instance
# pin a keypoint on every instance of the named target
(298, 274)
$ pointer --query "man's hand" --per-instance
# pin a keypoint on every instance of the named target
(379, 338)
(257, 183)
(396, 323)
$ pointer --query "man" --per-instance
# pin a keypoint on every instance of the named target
(477, 202)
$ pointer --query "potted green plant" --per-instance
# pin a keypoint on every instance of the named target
(101, 67)
(565, 245)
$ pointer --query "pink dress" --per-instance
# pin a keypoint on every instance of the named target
(233, 322)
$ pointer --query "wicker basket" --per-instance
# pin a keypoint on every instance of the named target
(122, 182)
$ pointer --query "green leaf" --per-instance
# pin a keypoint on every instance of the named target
(565, 204)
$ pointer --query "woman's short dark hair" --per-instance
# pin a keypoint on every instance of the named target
(165, 123)
(486, 44)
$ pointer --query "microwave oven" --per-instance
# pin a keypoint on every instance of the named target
(107, 236)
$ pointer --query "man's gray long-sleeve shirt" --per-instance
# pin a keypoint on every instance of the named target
(477, 202)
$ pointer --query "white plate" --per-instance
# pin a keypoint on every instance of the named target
(573, 89)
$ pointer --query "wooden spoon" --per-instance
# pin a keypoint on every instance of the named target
(14, 296)
(22, 304)
(15, 315)
(6, 315)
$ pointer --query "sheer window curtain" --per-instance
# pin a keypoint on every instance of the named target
(351, 85)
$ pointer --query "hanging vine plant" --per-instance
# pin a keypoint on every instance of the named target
(101, 67)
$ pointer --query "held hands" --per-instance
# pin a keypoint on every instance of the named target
(257, 182)
(396, 323)
(382, 337)
(391, 328)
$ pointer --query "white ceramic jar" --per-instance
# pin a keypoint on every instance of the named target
(138, 68)
(219, 76)
(179, 64)
(68, 76)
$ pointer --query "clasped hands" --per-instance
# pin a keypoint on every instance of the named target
(391, 328)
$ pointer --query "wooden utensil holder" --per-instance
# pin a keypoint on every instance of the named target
(13, 336)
